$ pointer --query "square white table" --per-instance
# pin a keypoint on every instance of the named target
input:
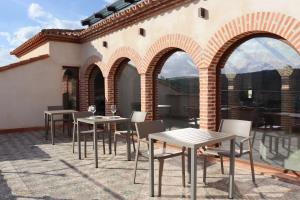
(192, 139)
(102, 120)
(49, 115)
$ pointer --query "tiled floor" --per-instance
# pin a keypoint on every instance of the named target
(31, 168)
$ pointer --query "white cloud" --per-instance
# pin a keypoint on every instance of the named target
(110, 1)
(43, 20)
(47, 20)
(5, 57)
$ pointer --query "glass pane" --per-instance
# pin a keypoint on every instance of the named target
(178, 92)
(260, 83)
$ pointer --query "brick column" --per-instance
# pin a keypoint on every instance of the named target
(147, 93)
(109, 86)
(207, 78)
(287, 96)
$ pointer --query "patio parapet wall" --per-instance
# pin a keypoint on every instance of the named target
(207, 59)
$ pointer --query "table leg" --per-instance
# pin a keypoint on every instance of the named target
(151, 171)
(109, 137)
(95, 145)
(46, 126)
(78, 140)
(193, 173)
(52, 129)
(128, 144)
(189, 165)
(231, 170)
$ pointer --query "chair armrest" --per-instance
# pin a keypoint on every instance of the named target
(242, 143)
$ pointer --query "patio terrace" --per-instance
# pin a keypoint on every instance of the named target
(32, 168)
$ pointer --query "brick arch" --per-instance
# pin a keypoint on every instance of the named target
(156, 55)
(120, 56)
(167, 44)
(277, 24)
(84, 81)
(224, 40)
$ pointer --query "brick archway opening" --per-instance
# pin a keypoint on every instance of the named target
(92, 89)
(153, 85)
(96, 89)
(223, 55)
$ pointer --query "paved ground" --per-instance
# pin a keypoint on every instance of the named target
(31, 168)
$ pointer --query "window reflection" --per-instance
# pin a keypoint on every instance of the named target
(260, 82)
(178, 92)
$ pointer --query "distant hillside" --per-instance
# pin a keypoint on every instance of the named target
(186, 85)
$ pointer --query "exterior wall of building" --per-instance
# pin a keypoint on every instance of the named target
(26, 92)
(206, 40)
(65, 54)
(44, 49)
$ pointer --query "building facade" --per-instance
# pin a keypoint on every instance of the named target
(145, 35)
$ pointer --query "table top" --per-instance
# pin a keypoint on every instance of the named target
(288, 114)
(191, 137)
(56, 112)
(103, 119)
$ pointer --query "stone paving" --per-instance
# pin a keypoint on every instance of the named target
(31, 168)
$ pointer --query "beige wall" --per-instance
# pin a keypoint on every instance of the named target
(65, 54)
(26, 91)
(44, 49)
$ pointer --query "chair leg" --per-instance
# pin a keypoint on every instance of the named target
(136, 161)
(84, 138)
(251, 163)
(73, 137)
(133, 143)
(183, 168)
(222, 165)
(115, 144)
(253, 139)
(63, 128)
(103, 142)
(160, 173)
(204, 169)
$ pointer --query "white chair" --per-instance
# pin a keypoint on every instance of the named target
(136, 117)
(143, 129)
(85, 114)
(240, 128)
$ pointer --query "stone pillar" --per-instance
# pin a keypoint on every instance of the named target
(287, 96)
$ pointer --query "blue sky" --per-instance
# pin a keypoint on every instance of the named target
(21, 19)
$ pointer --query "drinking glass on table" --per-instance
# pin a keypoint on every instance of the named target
(113, 109)
(92, 109)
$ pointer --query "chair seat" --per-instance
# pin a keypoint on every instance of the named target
(223, 152)
(91, 131)
(124, 132)
(168, 153)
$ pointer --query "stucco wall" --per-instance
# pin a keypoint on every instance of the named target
(41, 50)
(26, 91)
(65, 54)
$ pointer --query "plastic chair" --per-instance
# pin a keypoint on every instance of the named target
(136, 116)
(143, 129)
(85, 114)
(240, 128)
(63, 120)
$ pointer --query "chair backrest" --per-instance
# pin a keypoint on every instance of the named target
(82, 114)
(138, 116)
(55, 108)
(240, 128)
(143, 129)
